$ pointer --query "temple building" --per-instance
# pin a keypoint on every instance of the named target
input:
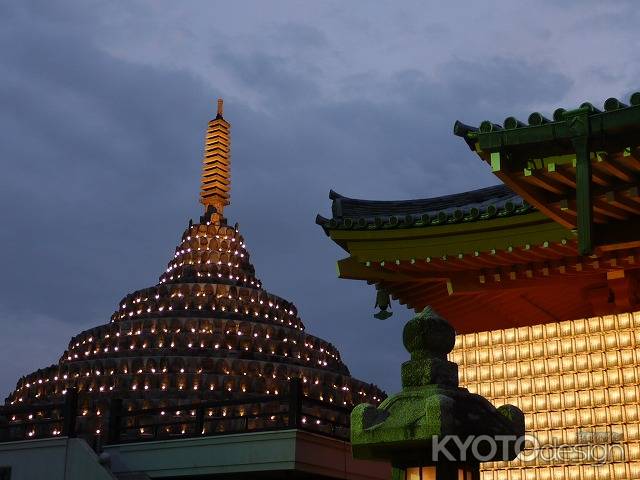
(538, 275)
(207, 331)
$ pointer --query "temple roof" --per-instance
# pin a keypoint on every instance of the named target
(580, 168)
(480, 204)
(615, 117)
(557, 240)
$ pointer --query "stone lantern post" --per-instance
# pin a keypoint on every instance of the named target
(433, 429)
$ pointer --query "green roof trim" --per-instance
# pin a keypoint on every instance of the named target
(483, 204)
(616, 118)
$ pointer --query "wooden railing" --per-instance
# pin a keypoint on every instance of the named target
(272, 412)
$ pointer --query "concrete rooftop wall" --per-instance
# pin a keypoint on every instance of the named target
(52, 459)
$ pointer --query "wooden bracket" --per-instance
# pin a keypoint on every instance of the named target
(624, 287)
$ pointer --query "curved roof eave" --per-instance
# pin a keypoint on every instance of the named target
(479, 204)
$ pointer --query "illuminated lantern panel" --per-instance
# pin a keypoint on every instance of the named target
(577, 384)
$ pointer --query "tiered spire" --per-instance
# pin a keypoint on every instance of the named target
(216, 181)
(207, 331)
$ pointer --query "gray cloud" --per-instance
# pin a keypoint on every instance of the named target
(300, 36)
(103, 113)
(266, 74)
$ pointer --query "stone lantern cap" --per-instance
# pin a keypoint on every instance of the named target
(433, 419)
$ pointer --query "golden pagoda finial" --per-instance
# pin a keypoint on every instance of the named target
(216, 181)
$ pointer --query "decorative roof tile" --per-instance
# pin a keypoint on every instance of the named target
(484, 203)
(536, 119)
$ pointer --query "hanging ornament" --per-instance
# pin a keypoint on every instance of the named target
(382, 302)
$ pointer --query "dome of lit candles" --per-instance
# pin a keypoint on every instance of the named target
(206, 331)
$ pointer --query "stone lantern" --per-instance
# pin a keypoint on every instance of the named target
(433, 429)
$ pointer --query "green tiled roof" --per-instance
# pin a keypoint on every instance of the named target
(614, 116)
(475, 205)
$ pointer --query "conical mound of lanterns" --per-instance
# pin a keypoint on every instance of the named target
(206, 331)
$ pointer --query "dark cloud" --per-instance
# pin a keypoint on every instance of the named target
(272, 77)
(95, 186)
(101, 149)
